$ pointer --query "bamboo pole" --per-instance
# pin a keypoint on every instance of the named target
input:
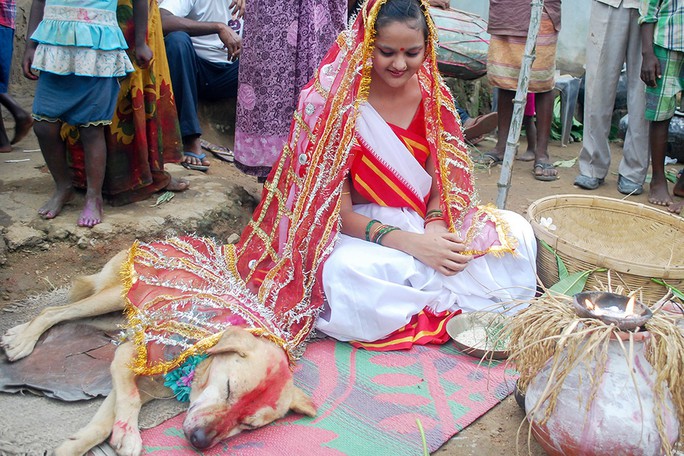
(519, 104)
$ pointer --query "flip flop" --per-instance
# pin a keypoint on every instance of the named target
(192, 166)
(493, 159)
(544, 177)
(480, 125)
(220, 152)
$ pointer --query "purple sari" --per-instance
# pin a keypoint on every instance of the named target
(284, 41)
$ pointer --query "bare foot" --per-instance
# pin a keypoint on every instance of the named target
(21, 128)
(177, 185)
(193, 154)
(678, 189)
(528, 156)
(54, 206)
(658, 194)
(676, 208)
(92, 213)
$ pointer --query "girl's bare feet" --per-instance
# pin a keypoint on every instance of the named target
(658, 193)
(676, 208)
(54, 205)
(678, 190)
(92, 212)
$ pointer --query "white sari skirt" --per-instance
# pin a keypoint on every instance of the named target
(371, 290)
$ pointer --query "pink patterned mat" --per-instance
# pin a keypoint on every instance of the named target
(368, 403)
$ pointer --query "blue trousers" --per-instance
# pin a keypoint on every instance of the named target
(194, 78)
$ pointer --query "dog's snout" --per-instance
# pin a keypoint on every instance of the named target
(199, 439)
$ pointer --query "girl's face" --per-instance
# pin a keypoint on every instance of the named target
(399, 53)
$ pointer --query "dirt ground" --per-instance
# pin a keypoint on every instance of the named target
(32, 270)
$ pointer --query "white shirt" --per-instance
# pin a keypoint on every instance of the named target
(208, 47)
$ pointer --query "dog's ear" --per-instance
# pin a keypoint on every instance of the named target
(234, 340)
(301, 403)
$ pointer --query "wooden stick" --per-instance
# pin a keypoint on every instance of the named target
(519, 104)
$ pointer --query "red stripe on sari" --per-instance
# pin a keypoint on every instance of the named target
(371, 177)
(424, 328)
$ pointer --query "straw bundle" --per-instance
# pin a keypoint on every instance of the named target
(637, 241)
(549, 331)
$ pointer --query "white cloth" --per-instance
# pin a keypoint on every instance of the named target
(372, 290)
(614, 39)
(208, 47)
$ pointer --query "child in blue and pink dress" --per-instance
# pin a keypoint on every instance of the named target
(79, 50)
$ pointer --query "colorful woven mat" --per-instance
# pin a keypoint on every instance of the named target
(368, 403)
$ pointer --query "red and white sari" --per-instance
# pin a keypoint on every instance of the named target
(183, 292)
(384, 299)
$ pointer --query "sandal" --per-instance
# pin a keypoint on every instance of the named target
(544, 176)
(490, 159)
(193, 166)
(220, 152)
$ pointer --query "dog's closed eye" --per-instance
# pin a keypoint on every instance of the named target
(228, 390)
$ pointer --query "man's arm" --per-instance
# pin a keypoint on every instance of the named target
(173, 23)
(650, 67)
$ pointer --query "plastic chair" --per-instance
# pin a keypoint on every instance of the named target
(568, 86)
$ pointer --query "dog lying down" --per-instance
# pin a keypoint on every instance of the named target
(243, 384)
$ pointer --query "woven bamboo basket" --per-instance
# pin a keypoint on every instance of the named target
(636, 242)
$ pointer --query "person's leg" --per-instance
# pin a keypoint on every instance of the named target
(462, 113)
(530, 127)
(4, 140)
(6, 40)
(22, 119)
(678, 207)
(184, 70)
(658, 193)
(606, 47)
(661, 102)
(505, 112)
(54, 153)
(95, 149)
(542, 163)
(636, 154)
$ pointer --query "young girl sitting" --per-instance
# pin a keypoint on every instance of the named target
(79, 50)
(368, 227)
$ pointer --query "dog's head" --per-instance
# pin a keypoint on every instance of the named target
(245, 383)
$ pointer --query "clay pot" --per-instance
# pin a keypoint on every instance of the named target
(615, 423)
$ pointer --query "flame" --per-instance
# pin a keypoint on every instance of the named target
(589, 305)
(629, 308)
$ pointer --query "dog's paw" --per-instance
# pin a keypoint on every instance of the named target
(17, 342)
(126, 439)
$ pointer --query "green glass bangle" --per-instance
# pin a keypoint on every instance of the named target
(368, 227)
(383, 233)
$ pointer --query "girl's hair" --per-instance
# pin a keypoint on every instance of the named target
(409, 12)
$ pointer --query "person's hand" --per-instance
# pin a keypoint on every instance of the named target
(143, 55)
(650, 69)
(27, 62)
(440, 250)
(237, 8)
(444, 4)
(231, 42)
